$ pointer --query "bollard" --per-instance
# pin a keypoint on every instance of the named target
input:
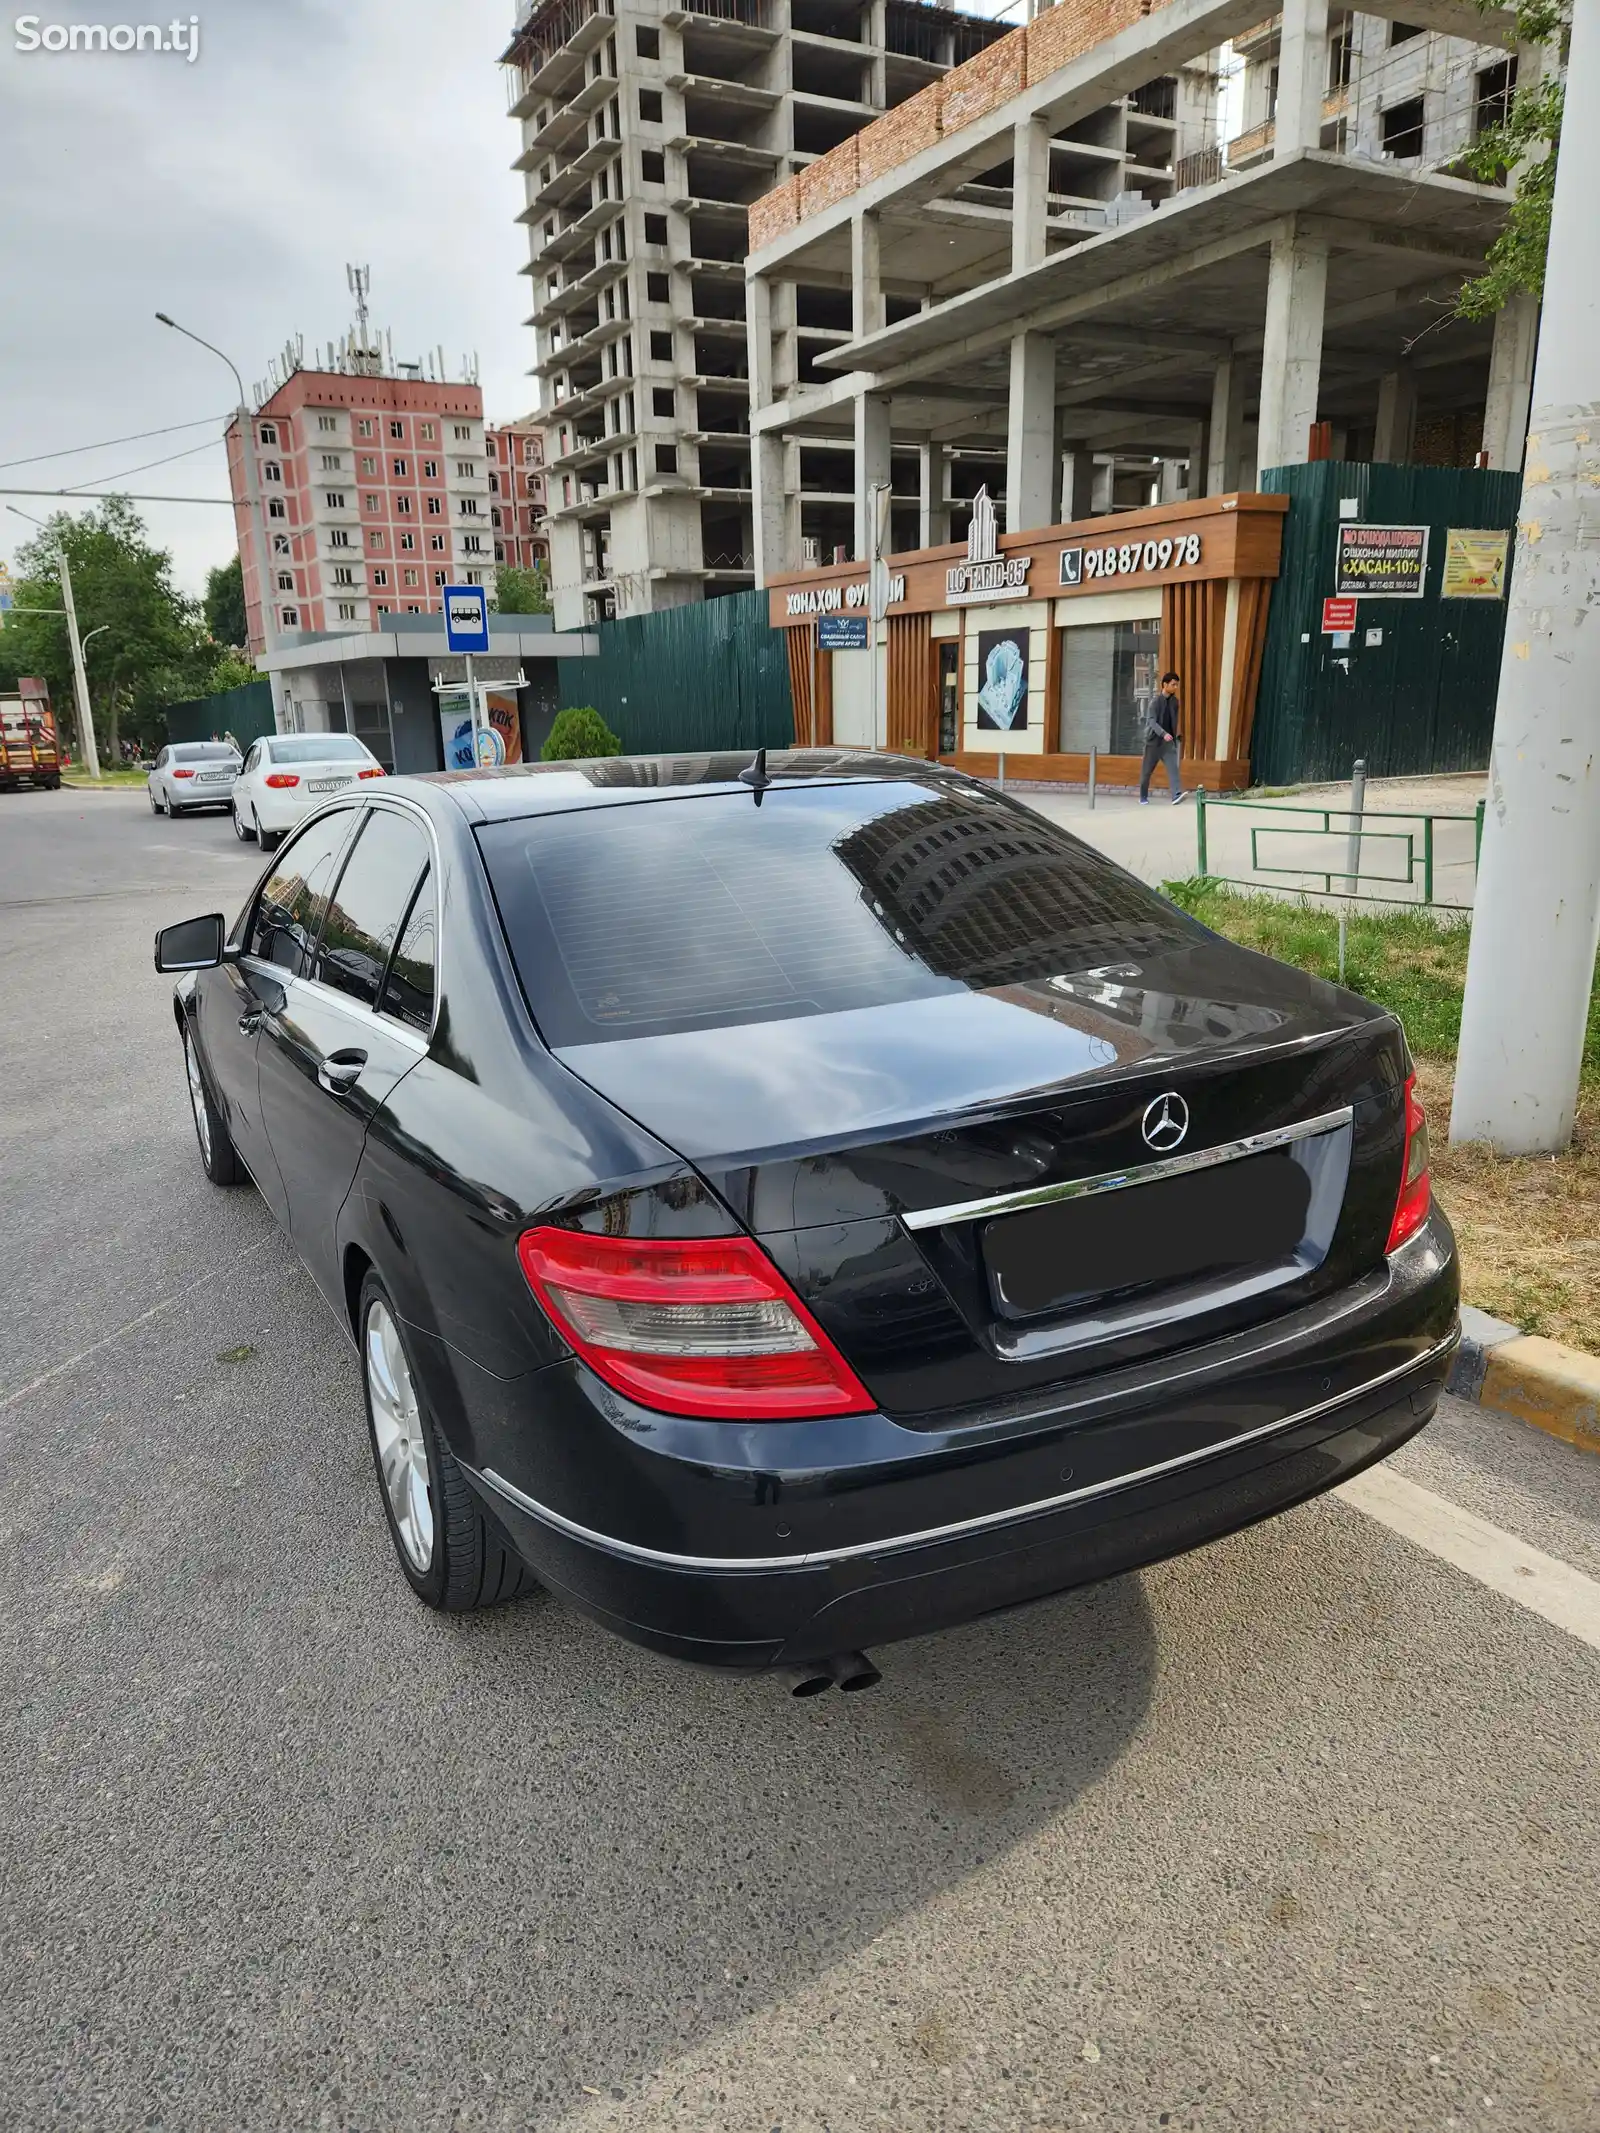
(1094, 766)
(1002, 755)
(1358, 801)
(1200, 831)
(1477, 836)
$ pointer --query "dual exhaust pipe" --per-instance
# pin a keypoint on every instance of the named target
(850, 1670)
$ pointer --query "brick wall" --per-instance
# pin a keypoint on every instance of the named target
(829, 179)
(902, 133)
(774, 213)
(973, 90)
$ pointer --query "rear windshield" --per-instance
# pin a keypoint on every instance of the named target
(205, 752)
(696, 913)
(320, 748)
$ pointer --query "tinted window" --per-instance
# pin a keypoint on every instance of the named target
(707, 910)
(204, 752)
(408, 991)
(370, 904)
(289, 909)
(319, 748)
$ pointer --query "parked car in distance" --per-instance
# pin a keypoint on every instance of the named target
(286, 775)
(783, 1208)
(187, 775)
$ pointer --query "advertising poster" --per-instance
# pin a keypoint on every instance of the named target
(1474, 563)
(500, 741)
(1003, 680)
(1382, 562)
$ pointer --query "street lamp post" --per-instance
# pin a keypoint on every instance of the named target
(252, 490)
(80, 679)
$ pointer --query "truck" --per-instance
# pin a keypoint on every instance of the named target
(30, 752)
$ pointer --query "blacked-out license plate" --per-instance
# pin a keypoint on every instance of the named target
(1237, 1214)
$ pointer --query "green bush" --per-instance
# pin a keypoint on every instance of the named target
(578, 733)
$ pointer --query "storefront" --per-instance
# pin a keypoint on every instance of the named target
(1044, 645)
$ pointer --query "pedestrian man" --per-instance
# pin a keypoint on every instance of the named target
(1161, 740)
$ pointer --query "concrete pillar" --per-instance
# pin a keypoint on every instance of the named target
(1291, 360)
(1030, 193)
(791, 502)
(1225, 435)
(1077, 483)
(1103, 487)
(1174, 481)
(1031, 433)
(1302, 76)
(1397, 418)
(933, 527)
(1505, 411)
(769, 509)
(866, 276)
(872, 466)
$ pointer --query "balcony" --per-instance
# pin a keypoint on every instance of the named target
(749, 14)
(551, 45)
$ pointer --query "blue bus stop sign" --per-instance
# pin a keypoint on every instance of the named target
(466, 618)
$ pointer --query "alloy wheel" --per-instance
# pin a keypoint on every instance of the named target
(402, 1444)
(197, 1102)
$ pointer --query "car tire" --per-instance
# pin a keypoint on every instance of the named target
(452, 1557)
(244, 836)
(155, 804)
(219, 1159)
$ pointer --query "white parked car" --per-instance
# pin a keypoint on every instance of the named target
(286, 775)
(190, 774)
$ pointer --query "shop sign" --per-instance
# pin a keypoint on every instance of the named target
(986, 574)
(833, 599)
(842, 633)
(1382, 562)
(1121, 559)
(1474, 563)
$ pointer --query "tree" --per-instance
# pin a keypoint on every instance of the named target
(224, 605)
(578, 734)
(520, 592)
(146, 644)
(1525, 142)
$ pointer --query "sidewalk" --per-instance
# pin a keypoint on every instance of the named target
(1159, 842)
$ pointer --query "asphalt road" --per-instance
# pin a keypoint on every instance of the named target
(1296, 1832)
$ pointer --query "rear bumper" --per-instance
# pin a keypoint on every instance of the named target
(751, 1546)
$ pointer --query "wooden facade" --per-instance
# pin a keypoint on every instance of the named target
(1207, 566)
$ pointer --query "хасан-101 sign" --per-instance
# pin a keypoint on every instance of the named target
(1122, 559)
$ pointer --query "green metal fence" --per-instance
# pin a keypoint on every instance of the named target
(708, 675)
(1408, 859)
(245, 712)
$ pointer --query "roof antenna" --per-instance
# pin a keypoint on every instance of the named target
(755, 775)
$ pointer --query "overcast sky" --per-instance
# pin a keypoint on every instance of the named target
(231, 192)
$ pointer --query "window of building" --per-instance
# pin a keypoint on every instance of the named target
(271, 469)
(661, 347)
(1402, 33)
(327, 422)
(397, 430)
(374, 504)
(291, 618)
(336, 499)
(472, 544)
(430, 470)
(365, 427)
(410, 577)
(339, 538)
(1403, 126)
(646, 40)
(468, 507)
(380, 576)
(286, 581)
(347, 610)
(494, 485)
(276, 507)
(666, 459)
(436, 542)
(1496, 87)
(499, 551)
(402, 505)
(375, 537)
(663, 400)
(435, 506)
(463, 433)
(655, 229)
(440, 576)
(650, 106)
(399, 470)
(408, 541)
(658, 287)
(653, 167)
(1340, 46)
(474, 577)
(426, 431)
(280, 544)
(467, 469)
(412, 608)
(344, 575)
(269, 433)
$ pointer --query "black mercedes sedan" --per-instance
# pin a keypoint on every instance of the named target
(787, 1206)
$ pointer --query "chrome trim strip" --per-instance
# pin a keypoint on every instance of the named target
(1007, 1203)
(732, 1564)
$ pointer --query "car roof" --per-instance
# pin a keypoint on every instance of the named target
(520, 789)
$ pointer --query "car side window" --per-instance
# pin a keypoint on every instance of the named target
(163, 758)
(249, 761)
(369, 906)
(409, 988)
(289, 911)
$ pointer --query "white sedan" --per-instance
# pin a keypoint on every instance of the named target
(286, 775)
(190, 774)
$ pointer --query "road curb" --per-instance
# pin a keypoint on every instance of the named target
(1553, 1387)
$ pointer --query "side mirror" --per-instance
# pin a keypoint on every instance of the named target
(195, 944)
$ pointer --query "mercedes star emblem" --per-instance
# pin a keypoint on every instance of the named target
(1165, 1121)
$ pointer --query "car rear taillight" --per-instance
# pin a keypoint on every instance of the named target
(377, 771)
(183, 773)
(280, 778)
(1416, 1191)
(705, 1326)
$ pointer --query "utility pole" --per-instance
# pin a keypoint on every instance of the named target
(80, 678)
(1536, 924)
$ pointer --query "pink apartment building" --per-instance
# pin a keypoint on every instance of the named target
(517, 494)
(376, 492)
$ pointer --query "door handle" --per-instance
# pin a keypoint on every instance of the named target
(340, 1071)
